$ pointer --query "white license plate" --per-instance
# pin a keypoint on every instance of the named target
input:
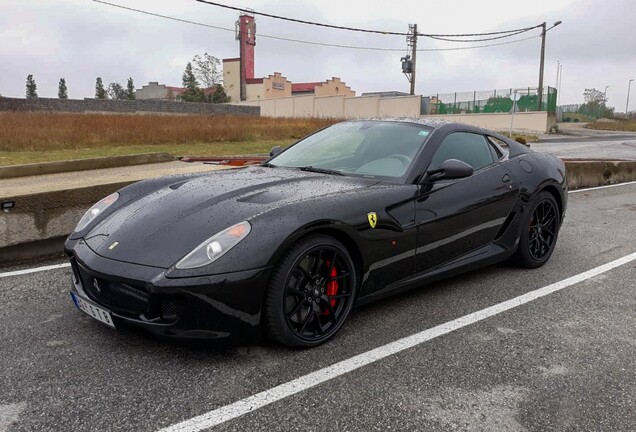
(93, 310)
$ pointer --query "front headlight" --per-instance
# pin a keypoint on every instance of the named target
(215, 247)
(94, 211)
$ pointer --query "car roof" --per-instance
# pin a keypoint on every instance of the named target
(433, 124)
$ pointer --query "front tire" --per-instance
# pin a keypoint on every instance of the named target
(539, 232)
(311, 292)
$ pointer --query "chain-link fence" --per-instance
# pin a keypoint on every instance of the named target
(492, 101)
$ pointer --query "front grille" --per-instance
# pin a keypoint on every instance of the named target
(132, 299)
(172, 307)
(118, 296)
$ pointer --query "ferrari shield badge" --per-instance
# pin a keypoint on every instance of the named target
(373, 219)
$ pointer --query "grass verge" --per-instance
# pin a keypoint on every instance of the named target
(527, 137)
(48, 131)
(616, 125)
(194, 149)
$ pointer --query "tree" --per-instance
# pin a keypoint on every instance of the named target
(117, 91)
(206, 70)
(31, 88)
(130, 89)
(62, 91)
(219, 95)
(100, 92)
(592, 95)
(193, 93)
(595, 104)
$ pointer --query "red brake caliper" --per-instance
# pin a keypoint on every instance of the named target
(332, 287)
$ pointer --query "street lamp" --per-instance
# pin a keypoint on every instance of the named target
(557, 84)
(541, 63)
(629, 85)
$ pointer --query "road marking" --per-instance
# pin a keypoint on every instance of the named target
(9, 414)
(264, 398)
(602, 187)
(34, 270)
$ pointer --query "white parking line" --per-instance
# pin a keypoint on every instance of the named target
(259, 400)
(602, 187)
(34, 270)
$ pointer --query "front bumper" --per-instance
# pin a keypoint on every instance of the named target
(223, 307)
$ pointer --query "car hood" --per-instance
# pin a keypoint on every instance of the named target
(161, 225)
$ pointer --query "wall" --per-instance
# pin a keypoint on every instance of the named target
(537, 121)
(125, 106)
(303, 105)
(401, 106)
(253, 91)
(339, 106)
(232, 78)
(360, 107)
(329, 106)
(333, 87)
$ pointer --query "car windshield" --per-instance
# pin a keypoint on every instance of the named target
(363, 148)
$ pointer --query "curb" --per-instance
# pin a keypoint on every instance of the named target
(13, 171)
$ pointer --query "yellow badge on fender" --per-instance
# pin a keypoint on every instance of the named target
(113, 246)
(373, 219)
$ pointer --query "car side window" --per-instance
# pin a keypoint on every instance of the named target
(502, 145)
(466, 147)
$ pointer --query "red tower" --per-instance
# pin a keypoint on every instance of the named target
(246, 35)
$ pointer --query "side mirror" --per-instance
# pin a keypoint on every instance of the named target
(450, 169)
(275, 150)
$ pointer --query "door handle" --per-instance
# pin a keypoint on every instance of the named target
(506, 178)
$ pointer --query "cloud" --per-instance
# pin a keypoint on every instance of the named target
(80, 40)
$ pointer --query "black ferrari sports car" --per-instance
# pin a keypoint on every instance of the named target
(354, 212)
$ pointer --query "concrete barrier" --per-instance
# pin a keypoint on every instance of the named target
(40, 222)
(82, 164)
(586, 173)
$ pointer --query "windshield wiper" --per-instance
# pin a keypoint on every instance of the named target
(268, 165)
(320, 170)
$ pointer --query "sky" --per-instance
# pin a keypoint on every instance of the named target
(82, 39)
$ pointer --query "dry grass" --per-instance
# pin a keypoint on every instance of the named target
(519, 135)
(193, 149)
(38, 132)
(618, 125)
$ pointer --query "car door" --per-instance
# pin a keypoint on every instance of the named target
(456, 217)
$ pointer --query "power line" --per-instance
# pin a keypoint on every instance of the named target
(306, 42)
(481, 39)
(434, 36)
(163, 16)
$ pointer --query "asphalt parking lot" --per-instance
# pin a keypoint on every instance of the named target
(564, 361)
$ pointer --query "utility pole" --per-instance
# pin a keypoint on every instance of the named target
(540, 95)
(544, 30)
(413, 44)
(408, 61)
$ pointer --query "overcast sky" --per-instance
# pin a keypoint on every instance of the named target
(81, 39)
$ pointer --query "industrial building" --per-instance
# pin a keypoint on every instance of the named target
(241, 85)
(156, 91)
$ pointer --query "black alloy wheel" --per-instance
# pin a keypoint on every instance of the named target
(539, 232)
(542, 230)
(311, 292)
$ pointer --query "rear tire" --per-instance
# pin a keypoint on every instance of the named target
(539, 232)
(311, 292)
